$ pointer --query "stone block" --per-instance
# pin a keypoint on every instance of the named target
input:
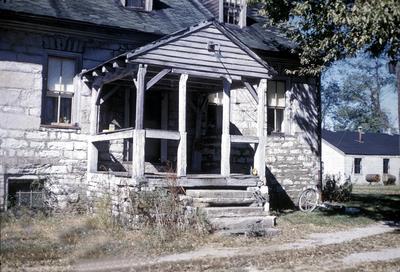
(14, 143)
(50, 153)
(61, 145)
(25, 153)
(17, 79)
(20, 67)
(37, 145)
(64, 135)
(16, 134)
(18, 121)
(79, 155)
(36, 135)
(80, 145)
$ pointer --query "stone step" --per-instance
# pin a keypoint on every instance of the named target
(242, 194)
(215, 212)
(250, 225)
(211, 201)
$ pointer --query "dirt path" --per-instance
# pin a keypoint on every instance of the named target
(313, 240)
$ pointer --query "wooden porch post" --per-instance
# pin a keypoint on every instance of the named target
(93, 153)
(181, 163)
(259, 158)
(225, 138)
(139, 134)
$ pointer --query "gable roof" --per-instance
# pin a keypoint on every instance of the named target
(233, 57)
(372, 143)
(167, 17)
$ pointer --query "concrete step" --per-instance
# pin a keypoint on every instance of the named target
(219, 194)
(211, 201)
(250, 225)
(215, 212)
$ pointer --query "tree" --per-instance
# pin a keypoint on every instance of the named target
(329, 30)
(351, 94)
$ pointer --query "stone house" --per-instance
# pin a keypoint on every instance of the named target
(103, 95)
(358, 154)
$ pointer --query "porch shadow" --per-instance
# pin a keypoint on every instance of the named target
(278, 198)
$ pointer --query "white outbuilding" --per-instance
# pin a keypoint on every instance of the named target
(358, 154)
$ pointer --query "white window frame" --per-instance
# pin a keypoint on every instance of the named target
(354, 162)
(242, 13)
(275, 108)
(383, 165)
(74, 122)
(148, 5)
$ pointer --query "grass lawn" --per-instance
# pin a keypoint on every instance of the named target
(62, 239)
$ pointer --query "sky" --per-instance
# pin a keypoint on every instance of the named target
(340, 70)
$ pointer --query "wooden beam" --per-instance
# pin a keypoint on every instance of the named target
(138, 156)
(141, 77)
(107, 69)
(251, 89)
(157, 78)
(163, 134)
(225, 138)
(164, 125)
(119, 64)
(127, 110)
(107, 95)
(244, 139)
(97, 72)
(109, 136)
(259, 157)
(203, 74)
(182, 147)
(93, 154)
(116, 75)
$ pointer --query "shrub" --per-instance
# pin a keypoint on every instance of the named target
(335, 189)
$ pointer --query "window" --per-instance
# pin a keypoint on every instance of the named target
(25, 192)
(275, 105)
(357, 165)
(385, 166)
(233, 12)
(138, 4)
(59, 92)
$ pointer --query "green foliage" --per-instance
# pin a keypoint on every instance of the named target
(352, 97)
(328, 30)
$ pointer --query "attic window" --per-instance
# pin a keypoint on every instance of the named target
(233, 12)
(145, 5)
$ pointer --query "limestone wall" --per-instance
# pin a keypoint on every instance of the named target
(26, 147)
(293, 156)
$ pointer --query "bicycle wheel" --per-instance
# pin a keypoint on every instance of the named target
(308, 200)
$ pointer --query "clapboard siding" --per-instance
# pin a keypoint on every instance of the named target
(206, 56)
(204, 51)
(190, 52)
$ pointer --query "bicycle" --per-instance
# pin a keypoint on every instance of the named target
(310, 198)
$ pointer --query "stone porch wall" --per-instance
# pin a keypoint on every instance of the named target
(291, 167)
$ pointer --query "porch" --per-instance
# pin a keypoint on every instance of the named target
(164, 110)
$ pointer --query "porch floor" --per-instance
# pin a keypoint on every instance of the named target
(195, 180)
